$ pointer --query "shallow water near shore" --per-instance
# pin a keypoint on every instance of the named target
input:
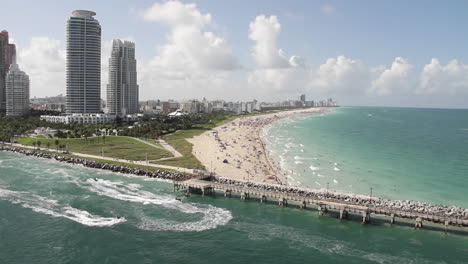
(53, 212)
(401, 153)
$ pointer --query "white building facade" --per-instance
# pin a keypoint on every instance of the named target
(83, 63)
(17, 92)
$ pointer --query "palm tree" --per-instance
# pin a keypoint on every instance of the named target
(39, 144)
(48, 144)
(34, 144)
(57, 143)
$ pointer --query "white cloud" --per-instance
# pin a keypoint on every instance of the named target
(265, 31)
(275, 71)
(194, 60)
(396, 79)
(176, 14)
(342, 75)
(44, 61)
(450, 79)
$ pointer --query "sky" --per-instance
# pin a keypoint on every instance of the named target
(369, 53)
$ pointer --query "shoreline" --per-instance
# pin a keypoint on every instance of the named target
(237, 149)
(158, 174)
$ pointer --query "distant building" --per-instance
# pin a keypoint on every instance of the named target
(83, 63)
(53, 103)
(169, 106)
(303, 98)
(17, 92)
(88, 118)
(122, 90)
(7, 52)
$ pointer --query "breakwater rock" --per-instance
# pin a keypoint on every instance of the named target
(443, 211)
(160, 174)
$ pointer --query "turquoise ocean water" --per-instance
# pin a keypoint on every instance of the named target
(401, 153)
(52, 212)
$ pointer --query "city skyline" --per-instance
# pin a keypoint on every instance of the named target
(254, 57)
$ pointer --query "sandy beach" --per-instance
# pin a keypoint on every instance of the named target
(236, 150)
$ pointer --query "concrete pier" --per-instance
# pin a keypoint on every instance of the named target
(365, 217)
(322, 209)
(303, 205)
(392, 219)
(343, 214)
(418, 223)
(282, 202)
(205, 187)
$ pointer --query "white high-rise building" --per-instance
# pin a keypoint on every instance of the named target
(17, 91)
(83, 63)
(122, 90)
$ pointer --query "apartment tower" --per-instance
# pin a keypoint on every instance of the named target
(17, 91)
(7, 52)
(83, 63)
(122, 89)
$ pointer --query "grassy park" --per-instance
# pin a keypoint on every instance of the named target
(110, 146)
(177, 140)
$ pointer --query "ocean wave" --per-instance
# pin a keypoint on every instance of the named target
(212, 216)
(297, 162)
(336, 168)
(53, 208)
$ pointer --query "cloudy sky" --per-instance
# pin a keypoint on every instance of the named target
(388, 53)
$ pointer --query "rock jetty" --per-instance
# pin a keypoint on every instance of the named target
(443, 211)
(160, 174)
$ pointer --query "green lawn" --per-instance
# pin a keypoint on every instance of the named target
(177, 140)
(115, 147)
(106, 161)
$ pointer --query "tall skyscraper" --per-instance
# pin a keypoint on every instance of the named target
(122, 90)
(83, 63)
(7, 52)
(17, 91)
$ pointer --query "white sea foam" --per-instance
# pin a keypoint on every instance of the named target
(336, 169)
(298, 162)
(301, 145)
(53, 208)
(320, 175)
(335, 181)
(212, 216)
(312, 168)
(302, 150)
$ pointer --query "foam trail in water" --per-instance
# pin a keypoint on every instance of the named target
(322, 244)
(336, 169)
(51, 207)
(312, 168)
(212, 216)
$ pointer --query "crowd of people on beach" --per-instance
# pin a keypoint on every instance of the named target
(401, 205)
(160, 174)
